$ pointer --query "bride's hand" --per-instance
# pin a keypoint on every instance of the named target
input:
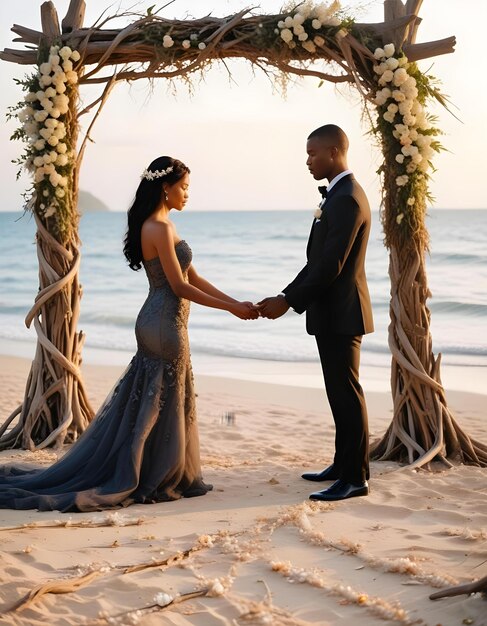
(244, 310)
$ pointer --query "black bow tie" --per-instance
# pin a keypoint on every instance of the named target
(323, 190)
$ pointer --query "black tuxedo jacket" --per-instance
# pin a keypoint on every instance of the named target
(332, 286)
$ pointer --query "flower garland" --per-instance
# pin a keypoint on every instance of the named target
(408, 132)
(301, 28)
(44, 115)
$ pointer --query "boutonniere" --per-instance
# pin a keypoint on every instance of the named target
(318, 213)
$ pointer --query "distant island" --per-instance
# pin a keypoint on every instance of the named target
(89, 203)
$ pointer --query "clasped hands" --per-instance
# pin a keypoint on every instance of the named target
(271, 308)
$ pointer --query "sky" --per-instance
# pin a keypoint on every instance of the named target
(244, 142)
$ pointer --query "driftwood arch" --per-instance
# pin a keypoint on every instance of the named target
(55, 408)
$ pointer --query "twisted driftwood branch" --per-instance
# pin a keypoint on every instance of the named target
(478, 586)
(423, 428)
(55, 408)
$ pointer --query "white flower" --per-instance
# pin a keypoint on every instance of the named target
(319, 41)
(53, 50)
(393, 108)
(411, 201)
(163, 599)
(54, 178)
(399, 218)
(289, 22)
(405, 107)
(50, 92)
(379, 54)
(402, 180)
(400, 158)
(61, 102)
(392, 63)
(216, 589)
(67, 66)
(62, 148)
(389, 49)
(292, 44)
(51, 123)
(60, 132)
(298, 19)
(55, 113)
(54, 60)
(53, 140)
(40, 144)
(45, 68)
(411, 167)
(75, 55)
(50, 211)
(45, 81)
(423, 140)
(59, 74)
(379, 100)
(45, 133)
(40, 116)
(30, 97)
(65, 53)
(193, 37)
(60, 87)
(286, 35)
(398, 95)
(303, 36)
(72, 77)
(281, 24)
(408, 119)
(298, 29)
(400, 76)
(39, 175)
(405, 139)
(186, 44)
(167, 41)
(386, 77)
(416, 108)
(61, 160)
(309, 46)
(40, 95)
(63, 181)
(201, 45)
(389, 117)
(38, 161)
(316, 24)
(60, 193)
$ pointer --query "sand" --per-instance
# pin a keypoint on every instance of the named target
(259, 549)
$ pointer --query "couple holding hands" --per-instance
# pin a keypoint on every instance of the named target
(142, 446)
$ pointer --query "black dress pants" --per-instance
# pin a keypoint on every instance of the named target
(340, 361)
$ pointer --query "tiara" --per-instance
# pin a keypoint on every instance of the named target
(148, 175)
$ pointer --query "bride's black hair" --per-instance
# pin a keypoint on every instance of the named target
(147, 198)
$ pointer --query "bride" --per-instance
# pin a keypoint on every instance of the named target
(142, 445)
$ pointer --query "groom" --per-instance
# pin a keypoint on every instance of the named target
(332, 289)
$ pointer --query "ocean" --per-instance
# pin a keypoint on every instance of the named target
(251, 255)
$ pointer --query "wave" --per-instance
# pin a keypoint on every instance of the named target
(455, 258)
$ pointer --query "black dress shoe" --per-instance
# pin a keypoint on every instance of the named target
(330, 473)
(340, 490)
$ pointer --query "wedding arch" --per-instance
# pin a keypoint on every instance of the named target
(305, 39)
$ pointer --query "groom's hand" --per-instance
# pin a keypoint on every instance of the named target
(274, 307)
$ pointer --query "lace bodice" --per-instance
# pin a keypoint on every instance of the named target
(155, 273)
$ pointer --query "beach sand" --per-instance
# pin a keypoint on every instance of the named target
(266, 553)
